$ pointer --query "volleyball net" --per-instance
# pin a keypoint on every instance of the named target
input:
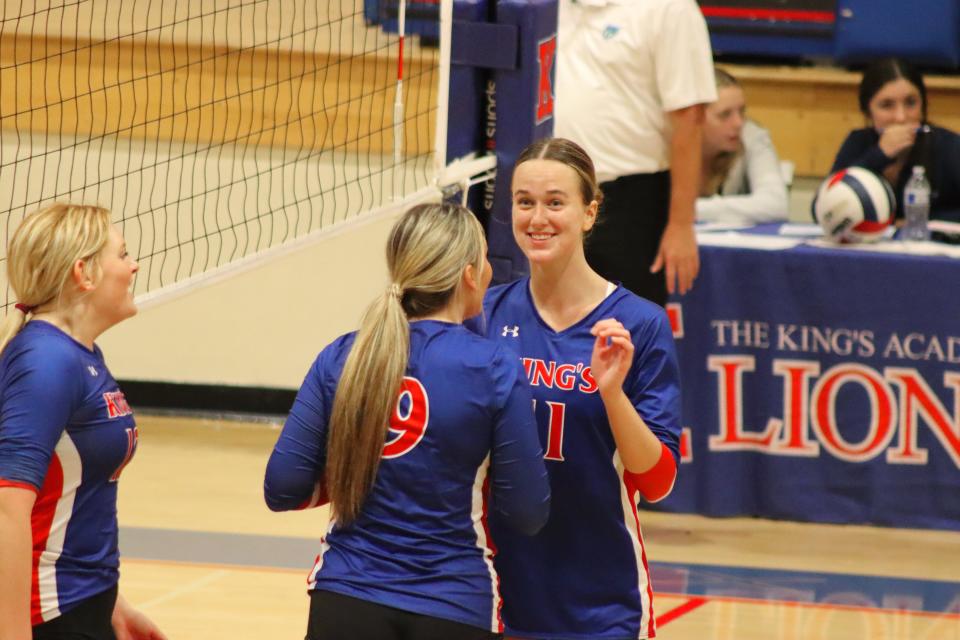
(214, 130)
(221, 132)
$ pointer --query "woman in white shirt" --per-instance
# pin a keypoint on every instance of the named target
(741, 180)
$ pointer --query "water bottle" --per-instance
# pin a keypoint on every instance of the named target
(916, 206)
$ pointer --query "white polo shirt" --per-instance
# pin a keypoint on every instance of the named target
(621, 65)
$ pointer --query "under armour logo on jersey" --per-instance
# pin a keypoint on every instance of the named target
(610, 31)
(511, 331)
(92, 370)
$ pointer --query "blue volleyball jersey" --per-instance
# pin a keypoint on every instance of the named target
(585, 575)
(66, 432)
(462, 442)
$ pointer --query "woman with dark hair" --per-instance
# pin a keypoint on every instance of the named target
(893, 98)
(417, 429)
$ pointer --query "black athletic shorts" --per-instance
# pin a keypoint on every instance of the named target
(89, 620)
(338, 617)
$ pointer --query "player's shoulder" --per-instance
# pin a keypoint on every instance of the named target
(473, 350)
(332, 357)
(512, 295)
(43, 346)
(629, 308)
(508, 291)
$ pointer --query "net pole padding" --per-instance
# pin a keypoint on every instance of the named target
(243, 265)
(398, 101)
(443, 87)
(524, 113)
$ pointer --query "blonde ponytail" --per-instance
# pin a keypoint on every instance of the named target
(10, 326)
(427, 251)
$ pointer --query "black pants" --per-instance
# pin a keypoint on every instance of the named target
(337, 617)
(625, 240)
(89, 620)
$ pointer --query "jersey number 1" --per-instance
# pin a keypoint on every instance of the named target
(409, 420)
(555, 419)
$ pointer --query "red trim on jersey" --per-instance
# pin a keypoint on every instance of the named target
(492, 546)
(652, 625)
(318, 498)
(18, 485)
(656, 483)
(41, 521)
(783, 15)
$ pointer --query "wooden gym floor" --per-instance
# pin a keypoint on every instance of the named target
(206, 560)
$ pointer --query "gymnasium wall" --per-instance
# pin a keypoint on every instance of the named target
(262, 327)
(187, 82)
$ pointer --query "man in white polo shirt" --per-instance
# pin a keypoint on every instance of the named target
(632, 80)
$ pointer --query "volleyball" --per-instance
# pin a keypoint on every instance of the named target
(854, 205)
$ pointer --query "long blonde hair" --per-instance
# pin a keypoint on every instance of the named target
(42, 253)
(720, 165)
(427, 251)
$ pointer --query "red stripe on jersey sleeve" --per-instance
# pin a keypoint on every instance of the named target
(493, 549)
(18, 485)
(656, 483)
(41, 521)
(318, 498)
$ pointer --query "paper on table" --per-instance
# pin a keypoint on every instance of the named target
(910, 247)
(713, 227)
(803, 230)
(748, 241)
(943, 226)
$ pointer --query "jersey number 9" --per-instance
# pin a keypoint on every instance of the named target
(409, 420)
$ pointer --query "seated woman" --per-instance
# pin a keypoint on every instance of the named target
(897, 137)
(741, 180)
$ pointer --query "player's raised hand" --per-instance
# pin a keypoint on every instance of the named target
(612, 355)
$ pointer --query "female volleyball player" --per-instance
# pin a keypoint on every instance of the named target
(66, 431)
(408, 553)
(603, 372)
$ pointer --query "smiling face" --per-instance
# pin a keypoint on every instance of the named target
(724, 122)
(897, 102)
(112, 293)
(550, 216)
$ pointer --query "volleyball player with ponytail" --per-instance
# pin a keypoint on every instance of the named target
(66, 431)
(414, 427)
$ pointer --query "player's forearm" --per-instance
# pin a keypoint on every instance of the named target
(15, 555)
(639, 448)
(685, 164)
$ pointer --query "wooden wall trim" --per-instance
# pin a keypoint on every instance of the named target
(210, 95)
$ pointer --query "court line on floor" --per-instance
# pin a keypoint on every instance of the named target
(247, 552)
(185, 589)
(949, 615)
(668, 616)
(681, 596)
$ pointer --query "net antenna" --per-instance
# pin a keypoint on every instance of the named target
(398, 100)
